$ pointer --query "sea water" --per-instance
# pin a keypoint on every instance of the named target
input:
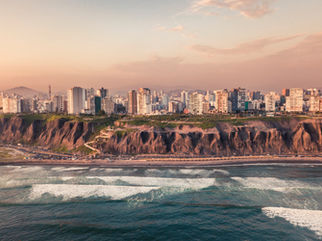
(240, 202)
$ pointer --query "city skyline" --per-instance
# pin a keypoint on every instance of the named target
(206, 44)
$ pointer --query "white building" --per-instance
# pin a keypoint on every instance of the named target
(294, 102)
(144, 104)
(314, 103)
(76, 100)
(270, 101)
(11, 105)
(195, 103)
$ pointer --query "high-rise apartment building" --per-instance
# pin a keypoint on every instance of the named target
(184, 96)
(195, 103)
(108, 105)
(255, 95)
(222, 103)
(286, 92)
(98, 104)
(294, 102)
(103, 92)
(144, 101)
(270, 101)
(76, 100)
(11, 105)
(58, 103)
(132, 102)
(314, 103)
(238, 99)
(1, 102)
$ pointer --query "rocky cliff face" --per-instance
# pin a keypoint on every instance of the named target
(258, 137)
(56, 133)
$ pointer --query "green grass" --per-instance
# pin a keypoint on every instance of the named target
(84, 150)
(203, 121)
(62, 149)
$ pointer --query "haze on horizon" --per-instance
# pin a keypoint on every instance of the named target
(204, 44)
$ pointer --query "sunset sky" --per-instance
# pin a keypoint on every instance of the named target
(124, 44)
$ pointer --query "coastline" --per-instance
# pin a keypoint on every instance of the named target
(27, 156)
(160, 162)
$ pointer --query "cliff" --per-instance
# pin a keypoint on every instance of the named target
(254, 137)
(251, 138)
(52, 134)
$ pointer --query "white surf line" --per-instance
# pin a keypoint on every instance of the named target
(70, 191)
(311, 219)
(271, 183)
(193, 183)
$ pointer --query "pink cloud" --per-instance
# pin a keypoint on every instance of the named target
(247, 8)
(297, 66)
(244, 48)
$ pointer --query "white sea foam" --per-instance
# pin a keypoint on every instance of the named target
(184, 171)
(67, 192)
(271, 183)
(27, 169)
(202, 172)
(68, 169)
(311, 219)
(192, 183)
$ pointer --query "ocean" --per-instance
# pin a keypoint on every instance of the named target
(236, 202)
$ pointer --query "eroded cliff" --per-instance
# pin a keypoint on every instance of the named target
(255, 137)
(53, 134)
(252, 138)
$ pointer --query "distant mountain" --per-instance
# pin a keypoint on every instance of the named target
(25, 92)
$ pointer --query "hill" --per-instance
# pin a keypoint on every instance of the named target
(25, 92)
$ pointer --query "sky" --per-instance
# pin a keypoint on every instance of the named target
(187, 44)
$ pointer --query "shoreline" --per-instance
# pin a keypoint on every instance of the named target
(153, 160)
(144, 163)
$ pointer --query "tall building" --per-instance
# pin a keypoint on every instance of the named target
(103, 92)
(11, 105)
(238, 99)
(98, 104)
(184, 96)
(76, 100)
(175, 107)
(294, 102)
(58, 104)
(314, 103)
(222, 103)
(195, 103)
(108, 106)
(144, 101)
(255, 95)
(132, 102)
(49, 92)
(286, 92)
(1, 102)
(270, 101)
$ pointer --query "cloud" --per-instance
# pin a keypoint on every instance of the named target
(178, 28)
(296, 66)
(244, 48)
(247, 8)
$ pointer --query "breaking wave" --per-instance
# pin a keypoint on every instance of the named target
(311, 219)
(275, 184)
(68, 192)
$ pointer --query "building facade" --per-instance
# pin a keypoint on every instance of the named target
(76, 100)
